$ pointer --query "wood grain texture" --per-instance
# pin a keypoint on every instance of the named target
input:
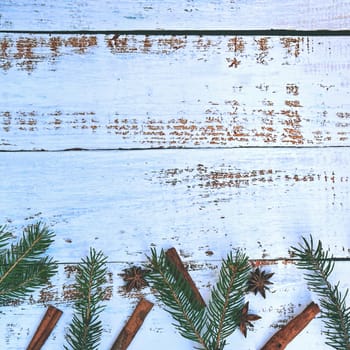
(174, 14)
(288, 297)
(258, 130)
(97, 92)
(199, 201)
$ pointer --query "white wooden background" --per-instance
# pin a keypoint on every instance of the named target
(202, 142)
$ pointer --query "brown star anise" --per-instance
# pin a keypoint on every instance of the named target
(246, 319)
(258, 282)
(134, 278)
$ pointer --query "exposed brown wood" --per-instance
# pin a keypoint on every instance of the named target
(260, 200)
(288, 293)
(264, 118)
(175, 259)
(113, 94)
(134, 323)
(45, 328)
(285, 335)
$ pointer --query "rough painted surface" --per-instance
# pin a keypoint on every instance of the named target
(96, 92)
(174, 14)
(287, 298)
(261, 200)
(280, 103)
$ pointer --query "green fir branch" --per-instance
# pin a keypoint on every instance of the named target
(22, 266)
(175, 292)
(334, 312)
(227, 300)
(4, 237)
(86, 329)
(207, 326)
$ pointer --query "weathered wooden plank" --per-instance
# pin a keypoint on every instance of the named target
(288, 296)
(171, 14)
(201, 201)
(94, 91)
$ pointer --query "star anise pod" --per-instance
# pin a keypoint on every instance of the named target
(258, 282)
(246, 319)
(134, 278)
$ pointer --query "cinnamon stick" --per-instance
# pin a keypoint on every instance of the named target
(45, 328)
(287, 333)
(174, 257)
(133, 325)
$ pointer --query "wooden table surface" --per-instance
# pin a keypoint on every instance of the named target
(126, 125)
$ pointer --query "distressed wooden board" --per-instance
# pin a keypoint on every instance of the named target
(98, 91)
(288, 296)
(173, 14)
(200, 201)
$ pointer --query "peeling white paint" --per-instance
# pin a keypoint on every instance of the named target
(171, 14)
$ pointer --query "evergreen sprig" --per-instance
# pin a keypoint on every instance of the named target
(85, 329)
(207, 326)
(22, 265)
(334, 312)
(176, 294)
(4, 237)
(227, 300)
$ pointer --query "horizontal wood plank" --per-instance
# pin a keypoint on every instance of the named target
(97, 92)
(282, 98)
(201, 201)
(171, 14)
(288, 296)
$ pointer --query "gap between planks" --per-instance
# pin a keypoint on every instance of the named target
(188, 32)
(255, 262)
(78, 149)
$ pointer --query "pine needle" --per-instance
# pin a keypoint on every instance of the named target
(4, 237)
(176, 294)
(227, 300)
(22, 266)
(334, 312)
(207, 326)
(86, 329)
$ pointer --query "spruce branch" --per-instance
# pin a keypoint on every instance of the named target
(4, 237)
(23, 266)
(207, 326)
(175, 292)
(227, 300)
(334, 312)
(86, 329)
